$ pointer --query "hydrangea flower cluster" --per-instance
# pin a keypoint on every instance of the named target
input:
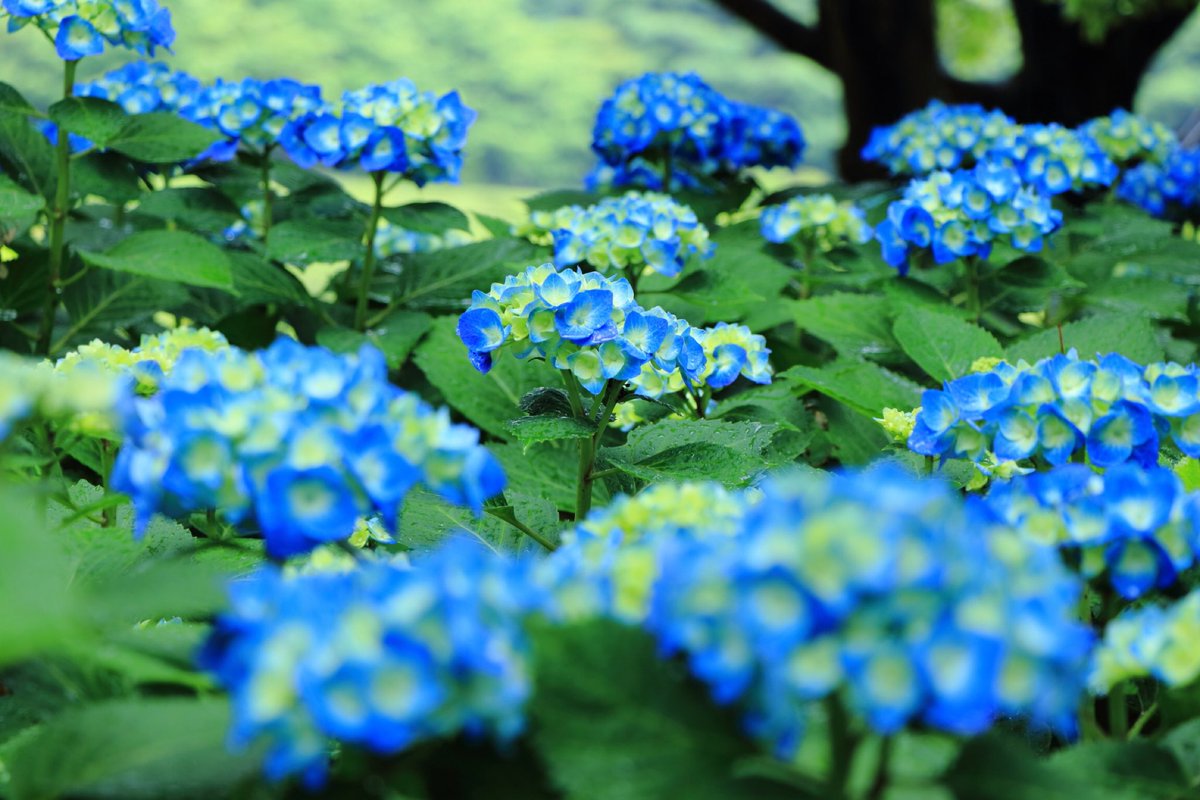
(1150, 641)
(676, 120)
(1136, 527)
(1169, 190)
(607, 565)
(302, 440)
(818, 221)
(251, 113)
(141, 87)
(961, 214)
(84, 397)
(1053, 159)
(885, 589)
(147, 363)
(1111, 408)
(581, 322)
(632, 232)
(937, 137)
(1129, 139)
(380, 656)
(390, 127)
(82, 28)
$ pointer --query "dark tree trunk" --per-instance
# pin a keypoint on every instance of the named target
(885, 53)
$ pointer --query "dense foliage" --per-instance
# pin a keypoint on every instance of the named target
(684, 489)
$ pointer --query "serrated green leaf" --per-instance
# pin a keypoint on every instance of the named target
(26, 155)
(201, 209)
(258, 281)
(433, 218)
(1026, 284)
(18, 209)
(107, 175)
(546, 401)
(943, 345)
(614, 721)
(446, 278)
(547, 470)
(531, 430)
(161, 137)
(97, 120)
(426, 520)
(489, 401)
(132, 748)
(865, 387)
(857, 325)
(1131, 336)
(103, 300)
(175, 256)
(310, 241)
(395, 337)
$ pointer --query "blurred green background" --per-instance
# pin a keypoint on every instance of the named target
(536, 70)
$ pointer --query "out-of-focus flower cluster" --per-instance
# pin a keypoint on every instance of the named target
(1138, 528)
(1111, 408)
(677, 123)
(633, 232)
(592, 326)
(381, 656)
(817, 221)
(882, 588)
(963, 213)
(1170, 189)
(389, 127)
(82, 28)
(1129, 139)
(147, 363)
(1150, 641)
(83, 398)
(301, 440)
(937, 137)
(1053, 159)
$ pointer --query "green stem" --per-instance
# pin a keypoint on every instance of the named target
(106, 465)
(807, 275)
(1136, 729)
(368, 271)
(841, 747)
(573, 393)
(268, 211)
(58, 218)
(1118, 712)
(973, 304)
(879, 783)
(523, 528)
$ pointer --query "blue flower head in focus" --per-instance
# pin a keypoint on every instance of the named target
(81, 28)
(936, 138)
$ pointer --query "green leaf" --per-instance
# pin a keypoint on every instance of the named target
(202, 209)
(395, 337)
(997, 768)
(557, 198)
(546, 401)
(104, 300)
(855, 324)
(132, 748)
(489, 401)
(860, 385)
(427, 217)
(168, 255)
(1026, 284)
(732, 453)
(613, 721)
(1131, 336)
(258, 281)
(11, 102)
(426, 520)
(446, 278)
(107, 175)
(18, 209)
(546, 470)
(161, 137)
(943, 345)
(97, 120)
(310, 241)
(531, 430)
(26, 155)
(1184, 742)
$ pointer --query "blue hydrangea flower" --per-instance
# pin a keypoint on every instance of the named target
(1170, 190)
(938, 137)
(1129, 139)
(82, 28)
(301, 440)
(1053, 159)
(887, 590)
(582, 322)
(386, 128)
(251, 113)
(634, 232)
(817, 221)
(675, 118)
(382, 656)
(1136, 528)
(1150, 642)
(960, 214)
(1109, 408)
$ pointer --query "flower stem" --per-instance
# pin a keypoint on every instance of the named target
(523, 528)
(973, 304)
(841, 747)
(268, 211)
(368, 271)
(58, 218)
(1118, 712)
(880, 782)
